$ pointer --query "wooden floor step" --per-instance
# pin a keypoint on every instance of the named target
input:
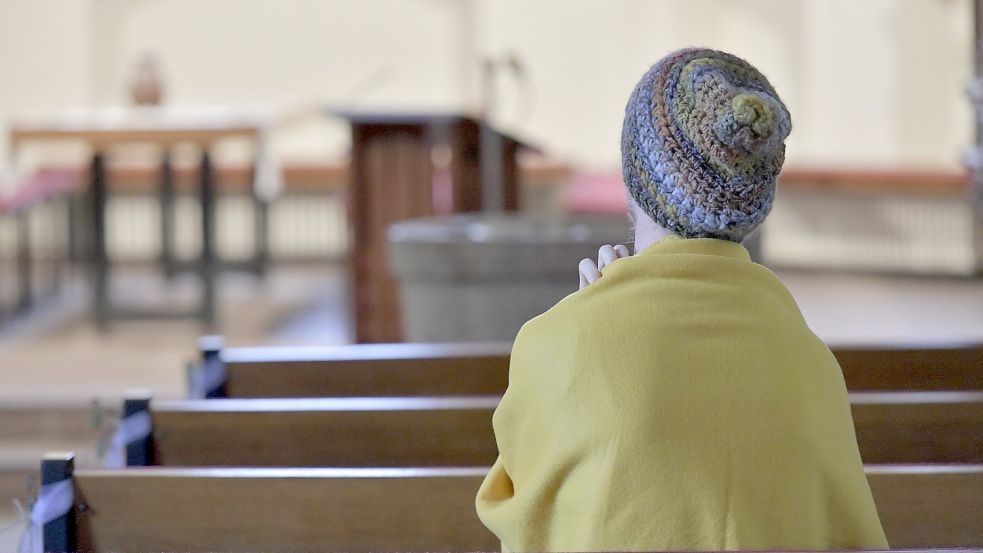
(14, 484)
(72, 422)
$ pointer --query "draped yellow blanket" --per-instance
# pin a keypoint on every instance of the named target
(678, 403)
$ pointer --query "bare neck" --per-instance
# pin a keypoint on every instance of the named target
(647, 231)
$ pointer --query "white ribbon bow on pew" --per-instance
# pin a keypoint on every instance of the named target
(137, 426)
(54, 500)
(206, 378)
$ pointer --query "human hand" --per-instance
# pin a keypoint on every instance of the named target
(590, 271)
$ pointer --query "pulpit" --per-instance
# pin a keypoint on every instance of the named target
(406, 166)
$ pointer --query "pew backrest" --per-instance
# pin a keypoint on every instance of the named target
(929, 505)
(482, 369)
(919, 427)
(284, 510)
(300, 510)
(361, 370)
(891, 427)
(944, 367)
(326, 432)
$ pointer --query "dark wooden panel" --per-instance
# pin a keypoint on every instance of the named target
(941, 368)
(391, 182)
(919, 427)
(435, 369)
(929, 506)
(923, 427)
(348, 432)
(284, 510)
(465, 145)
(368, 370)
(300, 510)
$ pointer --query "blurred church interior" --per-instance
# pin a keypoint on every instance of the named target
(329, 172)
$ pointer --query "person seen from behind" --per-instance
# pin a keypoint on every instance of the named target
(679, 401)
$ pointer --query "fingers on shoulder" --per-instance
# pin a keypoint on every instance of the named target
(608, 254)
(589, 270)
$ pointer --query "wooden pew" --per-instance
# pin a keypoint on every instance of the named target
(324, 432)
(892, 427)
(357, 370)
(481, 369)
(372, 509)
(919, 427)
(949, 367)
(929, 506)
(283, 510)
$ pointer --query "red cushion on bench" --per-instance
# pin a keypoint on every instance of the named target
(596, 192)
(45, 183)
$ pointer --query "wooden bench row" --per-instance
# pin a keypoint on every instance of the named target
(482, 369)
(390, 488)
(892, 427)
(396, 509)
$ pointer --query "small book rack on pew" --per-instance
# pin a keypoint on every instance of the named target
(482, 369)
(394, 509)
(891, 427)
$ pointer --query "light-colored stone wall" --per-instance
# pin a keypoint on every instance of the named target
(872, 83)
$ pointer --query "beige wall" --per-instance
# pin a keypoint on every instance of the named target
(877, 82)
(43, 46)
(586, 58)
(389, 54)
(43, 59)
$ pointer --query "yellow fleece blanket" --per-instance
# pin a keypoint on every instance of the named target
(678, 403)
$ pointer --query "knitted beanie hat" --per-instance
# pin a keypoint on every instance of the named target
(702, 145)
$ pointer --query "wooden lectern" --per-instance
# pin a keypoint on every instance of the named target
(392, 179)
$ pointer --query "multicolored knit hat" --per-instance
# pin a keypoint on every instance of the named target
(702, 145)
